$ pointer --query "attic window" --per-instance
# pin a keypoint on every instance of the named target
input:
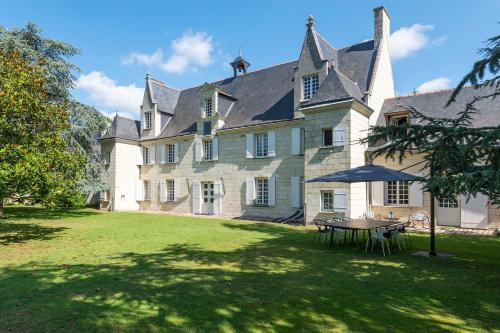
(208, 107)
(148, 119)
(401, 120)
(310, 85)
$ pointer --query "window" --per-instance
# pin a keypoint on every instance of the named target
(327, 201)
(327, 137)
(208, 107)
(170, 191)
(261, 145)
(146, 155)
(447, 203)
(396, 193)
(207, 128)
(310, 86)
(262, 191)
(147, 190)
(170, 153)
(334, 201)
(398, 121)
(208, 150)
(148, 119)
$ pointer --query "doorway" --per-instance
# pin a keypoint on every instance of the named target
(207, 192)
(448, 212)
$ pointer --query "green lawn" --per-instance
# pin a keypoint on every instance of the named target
(81, 270)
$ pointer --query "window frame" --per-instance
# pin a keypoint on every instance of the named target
(170, 189)
(323, 131)
(261, 191)
(329, 193)
(208, 107)
(210, 144)
(148, 120)
(261, 145)
(146, 155)
(170, 152)
(310, 85)
(393, 120)
(399, 190)
(147, 190)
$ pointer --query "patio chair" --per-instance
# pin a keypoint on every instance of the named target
(420, 216)
(322, 232)
(396, 236)
(402, 228)
(378, 236)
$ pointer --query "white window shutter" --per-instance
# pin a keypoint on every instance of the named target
(271, 182)
(377, 193)
(163, 190)
(196, 196)
(176, 152)
(249, 143)
(416, 198)
(296, 141)
(474, 213)
(340, 200)
(198, 150)
(152, 152)
(339, 135)
(177, 189)
(271, 141)
(215, 149)
(250, 192)
(139, 190)
(295, 191)
(153, 188)
(140, 159)
(102, 195)
(217, 197)
(163, 153)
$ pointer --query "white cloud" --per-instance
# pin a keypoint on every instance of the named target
(191, 49)
(143, 58)
(408, 40)
(439, 83)
(107, 94)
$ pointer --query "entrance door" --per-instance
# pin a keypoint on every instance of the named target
(448, 212)
(207, 192)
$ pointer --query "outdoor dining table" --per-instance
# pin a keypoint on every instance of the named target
(361, 224)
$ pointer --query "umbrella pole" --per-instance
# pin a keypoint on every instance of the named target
(432, 252)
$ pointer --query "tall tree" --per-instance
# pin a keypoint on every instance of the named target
(462, 159)
(85, 122)
(35, 160)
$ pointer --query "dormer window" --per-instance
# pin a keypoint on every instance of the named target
(148, 120)
(310, 85)
(399, 120)
(208, 107)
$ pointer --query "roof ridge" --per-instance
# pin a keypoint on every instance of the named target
(351, 45)
(242, 75)
(124, 117)
(326, 41)
(347, 77)
(163, 84)
(430, 92)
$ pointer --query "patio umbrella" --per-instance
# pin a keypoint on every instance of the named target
(366, 173)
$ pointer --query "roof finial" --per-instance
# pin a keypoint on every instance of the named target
(310, 22)
(148, 75)
(239, 52)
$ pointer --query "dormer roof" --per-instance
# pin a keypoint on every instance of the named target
(162, 95)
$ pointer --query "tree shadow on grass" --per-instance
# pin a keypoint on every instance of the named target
(11, 233)
(39, 213)
(280, 284)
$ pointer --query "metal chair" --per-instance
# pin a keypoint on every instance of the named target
(322, 231)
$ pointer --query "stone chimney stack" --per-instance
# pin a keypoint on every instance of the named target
(382, 29)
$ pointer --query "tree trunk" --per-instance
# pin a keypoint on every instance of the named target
(1, 206)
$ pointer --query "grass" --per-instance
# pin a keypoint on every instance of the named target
(85, 271)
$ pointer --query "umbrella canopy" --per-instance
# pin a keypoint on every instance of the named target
(365, 173)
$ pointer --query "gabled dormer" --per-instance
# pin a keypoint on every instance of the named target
(158, 107)
(215, 104)
(316, 58)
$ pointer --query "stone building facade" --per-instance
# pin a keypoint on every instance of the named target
(243, 146)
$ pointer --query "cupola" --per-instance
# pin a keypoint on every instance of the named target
(240, 65)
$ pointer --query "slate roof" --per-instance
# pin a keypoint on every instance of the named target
(261, 96)
(433, 104)
(164, 96)
(123, 128)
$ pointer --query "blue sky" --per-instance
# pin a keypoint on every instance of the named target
(185, 43)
